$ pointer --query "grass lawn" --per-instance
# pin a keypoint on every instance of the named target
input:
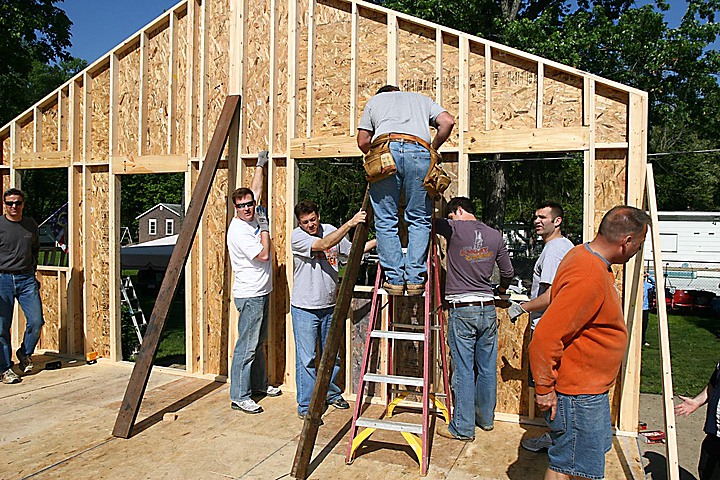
(694, 351)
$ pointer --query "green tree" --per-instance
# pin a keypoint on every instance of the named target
(34, 31)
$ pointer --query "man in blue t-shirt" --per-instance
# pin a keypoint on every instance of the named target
(709, 465)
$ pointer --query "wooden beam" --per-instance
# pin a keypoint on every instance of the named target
(310, 80)
(463, 175)
(143, 101)
(127, 165)
(322, 147)
(354, 68)
(589, 161)
(392, 49)
(540, 94)
(26, 161)
(141, 372)
(558, 139)
(327, 362)
(673, 468)
(172, 84)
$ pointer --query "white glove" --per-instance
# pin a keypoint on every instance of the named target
(261, 217)
(262, 159)
(515, 311)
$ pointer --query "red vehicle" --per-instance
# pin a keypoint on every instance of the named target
(682, 299)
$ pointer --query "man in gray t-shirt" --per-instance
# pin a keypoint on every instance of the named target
(406, 117)
(19, 248)
(547, 221)
(317, 249)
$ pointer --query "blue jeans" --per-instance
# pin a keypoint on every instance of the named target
(581, 435)
(24, 288)
(247, 372)
(472, 336)
(413, 162)
(309, 325)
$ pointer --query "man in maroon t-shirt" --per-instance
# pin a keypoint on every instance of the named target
(473, 249)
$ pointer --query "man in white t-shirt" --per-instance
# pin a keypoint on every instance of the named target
(547, 221)
(248, 241)
(317, 249)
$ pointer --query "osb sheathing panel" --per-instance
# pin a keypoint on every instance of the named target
(450, 164)
(50, 120)
(514, 91)
(562, 99)
(451, 82)
(416, 53)
(128, 102)
(280, 293)
(50, 337)
(181, 58)
(331, 81)
(360, 319)
(217, 36)
(301, 66)
(476, 87)
(26, 137)
(5, 151)
(100, 125)
(97, 263)
(5, 180)
(610, 176)
(217, 292)
(610, 114)
(281, 76)
(372, 56)
(157, 78)
(64, 120)
(512, 364)
(256, 109)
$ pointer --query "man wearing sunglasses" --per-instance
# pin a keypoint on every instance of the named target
(19, 248)
(248, 241)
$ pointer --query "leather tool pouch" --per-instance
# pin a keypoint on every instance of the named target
(379, 162)
(437, 180)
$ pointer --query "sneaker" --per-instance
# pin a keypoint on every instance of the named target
(26, 364)
(339, 403)
(535, 444)
(302, 416)
(9, 377)
(393, 289)
(270, 392)
(247, 406)
(415, 289)
(443, 430)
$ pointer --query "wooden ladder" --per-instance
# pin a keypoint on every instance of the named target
(417, 435)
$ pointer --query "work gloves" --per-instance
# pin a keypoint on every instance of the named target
(515, 311)
(262, 159)
(261, 217)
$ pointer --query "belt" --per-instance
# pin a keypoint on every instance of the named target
(409, 139)
(473, 304)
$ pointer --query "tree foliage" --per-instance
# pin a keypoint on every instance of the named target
(35, 32)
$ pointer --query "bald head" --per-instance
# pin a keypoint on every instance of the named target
(622, 221)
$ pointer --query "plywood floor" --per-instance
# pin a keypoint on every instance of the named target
(58, 424)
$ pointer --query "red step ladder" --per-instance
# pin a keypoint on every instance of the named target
(417, 435)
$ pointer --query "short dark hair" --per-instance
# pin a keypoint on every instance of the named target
(621, 221)
(463, 202)
(14, 191)
(306, 207)
(388, 88)
(241, 193)
(556, 209)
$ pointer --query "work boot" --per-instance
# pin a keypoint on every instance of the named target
(443, 430)
(26, 363)
(393, 289)
(415, 289)
(9, 377)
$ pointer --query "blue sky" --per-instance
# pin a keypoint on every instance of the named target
(99, 25)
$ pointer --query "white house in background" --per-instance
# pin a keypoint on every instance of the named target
(690, 250)
(162, 220)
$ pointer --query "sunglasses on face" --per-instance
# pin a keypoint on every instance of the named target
(244, 205)
(14, 204)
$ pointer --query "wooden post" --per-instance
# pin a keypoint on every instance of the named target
(141, 372)
(327, 362)
(673, 469)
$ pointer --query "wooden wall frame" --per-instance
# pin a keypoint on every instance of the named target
(305, 70)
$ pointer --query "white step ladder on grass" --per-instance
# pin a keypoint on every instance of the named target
(130, 299)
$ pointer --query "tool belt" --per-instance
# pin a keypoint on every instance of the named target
(379, 163)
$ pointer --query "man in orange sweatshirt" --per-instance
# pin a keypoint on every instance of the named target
(577, 349)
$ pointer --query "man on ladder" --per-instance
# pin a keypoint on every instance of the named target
(473, 249)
